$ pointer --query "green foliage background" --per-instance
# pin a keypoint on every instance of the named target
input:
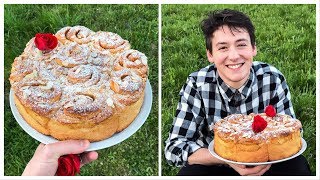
(136, 156)
(286, 38)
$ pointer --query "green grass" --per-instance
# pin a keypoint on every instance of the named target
(286, 38)
(136, 156)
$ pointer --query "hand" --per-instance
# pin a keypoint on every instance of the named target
(45, 159)
(250, 171)
(204, 157)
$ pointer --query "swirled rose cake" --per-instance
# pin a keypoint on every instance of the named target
(257, 137)
(79, 84)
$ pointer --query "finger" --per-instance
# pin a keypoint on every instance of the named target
(38, 151)
(258, 170)
(39, 148)
(88, 157)
(265, 169)
(240, 166)
(237, 166)
(255, 174)
(261, 169)
(60, 148)
(241, 169)
(248, 171)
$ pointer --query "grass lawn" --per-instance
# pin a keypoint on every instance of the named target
(136, 156)
(286, 38)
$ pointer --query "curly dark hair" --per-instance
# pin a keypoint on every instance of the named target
(235, 20)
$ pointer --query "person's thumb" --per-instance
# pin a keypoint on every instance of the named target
(68, 147)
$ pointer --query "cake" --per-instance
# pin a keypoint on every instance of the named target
(237, 137)
(79, 84)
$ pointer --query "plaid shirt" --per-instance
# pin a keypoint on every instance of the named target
(205, 99)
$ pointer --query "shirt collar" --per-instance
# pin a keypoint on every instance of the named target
(228, 92)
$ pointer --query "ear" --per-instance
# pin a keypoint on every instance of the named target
(254, 50)
(210, 57)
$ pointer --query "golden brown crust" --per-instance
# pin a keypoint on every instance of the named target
(134, 60)
(246, 152)
(75, 91)
(234, 139)
(19, 70)
(78, 34)
(125, 117)
(111, 42)
(284, 146)
(85, 130)
(33, 119)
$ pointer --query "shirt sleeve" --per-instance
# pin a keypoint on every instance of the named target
(181, 142)
(282, 98)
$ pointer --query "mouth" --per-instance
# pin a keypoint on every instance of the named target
(235, 66)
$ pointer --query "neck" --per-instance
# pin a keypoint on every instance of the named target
(237, 84)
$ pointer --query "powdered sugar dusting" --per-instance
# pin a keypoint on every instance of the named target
(71, 83)
(240, 126)
(111, 42)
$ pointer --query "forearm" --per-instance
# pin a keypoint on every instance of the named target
(204, 157)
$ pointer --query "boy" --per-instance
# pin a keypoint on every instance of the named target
(232, 84)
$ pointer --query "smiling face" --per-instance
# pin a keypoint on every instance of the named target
(232, 53)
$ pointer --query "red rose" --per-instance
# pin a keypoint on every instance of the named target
(270, 111)
(68, 165)
(259, 124)
(45, 42)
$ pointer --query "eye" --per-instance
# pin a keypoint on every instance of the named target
(242, 45)
(222, 48)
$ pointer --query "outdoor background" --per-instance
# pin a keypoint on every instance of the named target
(286, 39)
(136, 156)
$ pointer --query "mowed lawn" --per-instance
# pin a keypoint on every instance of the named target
(286, 39)
(136, 156)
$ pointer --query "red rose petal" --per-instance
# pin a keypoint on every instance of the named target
(68, 165)
(270, 111)
(259, 124)
(45, 41)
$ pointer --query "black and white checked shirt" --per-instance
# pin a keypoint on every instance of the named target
(205, 99)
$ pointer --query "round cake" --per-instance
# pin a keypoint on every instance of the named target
(90, 85)
(235, 138)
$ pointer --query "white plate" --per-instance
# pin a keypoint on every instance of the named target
(113, 140)
(303, 148)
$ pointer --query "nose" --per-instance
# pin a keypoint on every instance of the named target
(233, 54)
